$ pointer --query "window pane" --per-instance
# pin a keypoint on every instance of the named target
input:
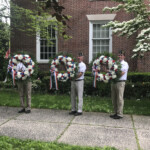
(41, 49)
(41, 56)
(94, 49)
(100, 46)
(47, 50)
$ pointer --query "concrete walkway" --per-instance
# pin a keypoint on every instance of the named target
(91, 129)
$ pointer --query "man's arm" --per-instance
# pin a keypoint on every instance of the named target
(79, 74)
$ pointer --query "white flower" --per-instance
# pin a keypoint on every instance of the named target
(105, 59)
(70, 69)
(52, 63)
(56, 69)
(20, 57)
(26, 72)
(14, 61)
(101, 57)
(59, 75)
(114, 76)
(115, 67)
(16, 56)
(69, 59)
(27, 60)
(105, 81)
(69, 63)
(65, 74)
(33, 63)
(71, 75)
(101, 77)
(98, 68)
(14, 67)
(64, 60)
(113, 72)
(19, 75)
(107, 77)
(110, 63)
(30, 67)
(23, 78)
(133, 85)
(26, 55)
(57, 61)
(52, 66)
(59, 57)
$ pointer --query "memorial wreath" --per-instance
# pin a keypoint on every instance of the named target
(113, 69)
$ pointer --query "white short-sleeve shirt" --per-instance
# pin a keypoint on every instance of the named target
(82, 68)
(124, 68)
(20, 66)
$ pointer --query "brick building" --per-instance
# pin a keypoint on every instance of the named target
(87, 35)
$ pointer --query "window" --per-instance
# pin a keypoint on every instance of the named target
(100, 39)
(44, 49)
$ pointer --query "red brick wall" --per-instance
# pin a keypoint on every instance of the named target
(80, 33)
(20, 41)
(80, 28)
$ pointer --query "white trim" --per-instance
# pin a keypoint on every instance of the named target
(101, 17)
(91, 37)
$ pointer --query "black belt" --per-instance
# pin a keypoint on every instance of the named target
(122, 81)
(79, 80)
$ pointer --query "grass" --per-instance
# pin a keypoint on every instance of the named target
(7, 143)
(10, 97)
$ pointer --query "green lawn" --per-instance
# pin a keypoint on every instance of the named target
(7, 143)
(10, 97)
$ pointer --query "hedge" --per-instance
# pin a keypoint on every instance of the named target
(137, 86)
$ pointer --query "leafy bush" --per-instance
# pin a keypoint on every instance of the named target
(4, 45)
(139, 76)
(136, 86)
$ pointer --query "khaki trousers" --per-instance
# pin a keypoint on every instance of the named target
(117, 93)
(24, 88)
(77, 91)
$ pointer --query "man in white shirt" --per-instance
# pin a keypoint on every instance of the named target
(117, 89)
(77, 87)
(24, 88)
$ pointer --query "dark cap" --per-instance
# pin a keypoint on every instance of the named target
(121, 52)
(80, 54)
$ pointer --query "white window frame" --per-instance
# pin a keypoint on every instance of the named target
(38, 46)
(91, 38)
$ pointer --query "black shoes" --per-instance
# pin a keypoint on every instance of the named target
(28, 111)
(118, 117)
(75, 113)
(112, 116)
(115, 116)
(78, 114)
(72, 112)
(22, 110)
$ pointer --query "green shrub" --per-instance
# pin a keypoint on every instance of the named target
(139, 76)
(136, 86)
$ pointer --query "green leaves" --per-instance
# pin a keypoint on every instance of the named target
(139, 24)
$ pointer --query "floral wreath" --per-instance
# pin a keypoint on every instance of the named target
(70, 66)
(113, 69)
(27, 61)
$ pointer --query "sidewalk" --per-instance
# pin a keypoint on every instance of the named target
(91, 129)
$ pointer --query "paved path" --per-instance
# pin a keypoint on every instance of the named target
(91, 129)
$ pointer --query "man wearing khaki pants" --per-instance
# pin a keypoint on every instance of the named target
(77, 87)
(117, 89)
(24, 88)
